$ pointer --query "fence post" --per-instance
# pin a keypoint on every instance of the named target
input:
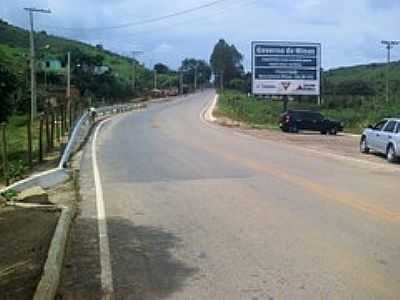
(29, 128)
(4, 152)
(58, 124)
(52, 129)
(41, 138)
(48, 144)
(70, 113)
(62, 120)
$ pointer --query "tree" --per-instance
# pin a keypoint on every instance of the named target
(161, 68)
(226, 62)
(196, 67)
(8, 84)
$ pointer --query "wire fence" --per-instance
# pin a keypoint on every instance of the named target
(27, 145)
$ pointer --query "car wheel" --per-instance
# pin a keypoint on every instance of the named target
(323, 132)
(364, 146)
(333, 131)
(294, 129)
(390, 154)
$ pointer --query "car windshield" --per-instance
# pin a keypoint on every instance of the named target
(199, 149)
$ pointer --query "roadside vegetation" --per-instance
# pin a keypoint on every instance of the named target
(353, 95)
(264, 112)
(98, 77)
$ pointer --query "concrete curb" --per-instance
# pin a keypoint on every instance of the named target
(48, 285)
(50, 279)
(51, 274)
(207, 113)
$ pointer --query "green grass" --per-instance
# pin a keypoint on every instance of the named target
(14, 48)
(264, 113)
(17, 145)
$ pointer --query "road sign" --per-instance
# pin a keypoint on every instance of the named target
(286, 68)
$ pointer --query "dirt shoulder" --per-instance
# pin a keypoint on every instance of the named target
(25, 236)
(342, 144)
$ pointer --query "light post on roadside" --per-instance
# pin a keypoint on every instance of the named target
(389, 46)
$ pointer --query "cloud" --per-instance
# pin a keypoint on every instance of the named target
(350, 31)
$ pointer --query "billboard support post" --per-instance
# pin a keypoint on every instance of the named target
(285, 103)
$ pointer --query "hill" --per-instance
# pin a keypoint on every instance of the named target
(14, 50)
(374, 75)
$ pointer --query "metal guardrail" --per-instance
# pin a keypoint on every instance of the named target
(79, 133)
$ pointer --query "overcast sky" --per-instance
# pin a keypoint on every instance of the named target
(350, 30)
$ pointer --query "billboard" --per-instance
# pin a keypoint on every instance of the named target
(286, 68)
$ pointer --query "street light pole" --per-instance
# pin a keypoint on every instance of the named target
(32, 59)
(389, 46)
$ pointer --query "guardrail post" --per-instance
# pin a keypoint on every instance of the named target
(4, 152)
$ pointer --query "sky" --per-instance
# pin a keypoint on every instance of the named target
(350, 31)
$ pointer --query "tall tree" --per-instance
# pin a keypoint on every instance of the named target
(196, 67)
(8, 84)
(161, 68)
(226, 62)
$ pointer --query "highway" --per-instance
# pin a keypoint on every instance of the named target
(198, 211)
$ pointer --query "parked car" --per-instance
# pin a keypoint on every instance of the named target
(295, 120)
(384, 138)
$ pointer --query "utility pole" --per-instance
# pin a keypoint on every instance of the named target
(155, 78)
(195, 78)
(181, 82)
(134, 53)
(68, 75)
(32, 59)
(389, 46)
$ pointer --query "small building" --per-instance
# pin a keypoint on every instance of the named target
(100, 70)
(53, 65)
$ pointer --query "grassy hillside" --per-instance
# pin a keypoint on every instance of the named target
(374, 74)
(14, 48)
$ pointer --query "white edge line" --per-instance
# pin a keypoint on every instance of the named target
(104, 247)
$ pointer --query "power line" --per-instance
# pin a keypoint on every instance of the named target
(146, 21)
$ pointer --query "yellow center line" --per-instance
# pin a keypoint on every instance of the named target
(346, 198)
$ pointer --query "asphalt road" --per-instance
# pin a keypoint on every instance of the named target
(197, 211)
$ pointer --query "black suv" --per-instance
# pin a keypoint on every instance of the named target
(295, 120)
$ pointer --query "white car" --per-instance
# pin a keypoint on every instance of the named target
(384, 138)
